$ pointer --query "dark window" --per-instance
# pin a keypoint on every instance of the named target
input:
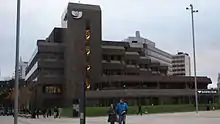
(106, 58)
(134, 41)
(141, 65)
(112, 57)
(130, 73)
(134, 62)
(118, 58)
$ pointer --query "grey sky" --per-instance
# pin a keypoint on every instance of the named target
(165, 22)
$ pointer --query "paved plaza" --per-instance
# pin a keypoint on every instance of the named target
(212, 117)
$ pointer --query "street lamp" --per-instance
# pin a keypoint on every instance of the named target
(16, 63)
(192, 10)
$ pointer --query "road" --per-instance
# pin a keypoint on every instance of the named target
(212, 117)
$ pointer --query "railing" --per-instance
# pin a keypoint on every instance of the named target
(32, 70)
(33, 55)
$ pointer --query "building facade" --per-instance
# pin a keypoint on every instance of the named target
(181, 64)
(22, 68)
(76, 54)
(154, 53)
(218, 81)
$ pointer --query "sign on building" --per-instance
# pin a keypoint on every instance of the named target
(207, 91)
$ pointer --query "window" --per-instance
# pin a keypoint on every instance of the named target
(112, 57)
(141, 66)
(118, 58)
(134, 41)
(88, 51)
(112, 72)
(131, 73)
(104, 57)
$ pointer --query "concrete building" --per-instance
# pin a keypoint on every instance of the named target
(181, 64)
(22, 68)
(218, 81)
(76, 54)
(155, 54)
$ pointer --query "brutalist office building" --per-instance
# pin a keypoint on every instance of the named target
(76, 53)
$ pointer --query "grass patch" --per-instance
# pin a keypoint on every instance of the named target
(102, 111)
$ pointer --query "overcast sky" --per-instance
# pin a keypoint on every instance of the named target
(165, 22)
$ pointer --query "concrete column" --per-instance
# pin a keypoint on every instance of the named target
(186, 86)
(158, 85)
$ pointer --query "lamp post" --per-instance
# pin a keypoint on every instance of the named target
(16, 63)
(192, 10)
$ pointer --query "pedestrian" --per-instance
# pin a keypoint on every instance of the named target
(56, 112)
(33, 113)
(139, 110)
(122, 109)
(59, 112)
(112, 117)
(37, 112)
(44, 112)
(49, 112)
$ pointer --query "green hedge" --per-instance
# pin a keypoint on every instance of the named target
(102, 111)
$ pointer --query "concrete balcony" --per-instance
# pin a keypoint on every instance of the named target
(113, 50)
(113, 64)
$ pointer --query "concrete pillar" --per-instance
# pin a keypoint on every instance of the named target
(158, 85)
(186, 86)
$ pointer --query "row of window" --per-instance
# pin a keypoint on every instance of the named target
(178, 61)
(118, 72)
(121, 72)
(112, 57)
(134, 85)
(87, 55)
(177, 70)
(131, 62)
(179, 74)
(178, 57)
(181, 65)
(52, 56)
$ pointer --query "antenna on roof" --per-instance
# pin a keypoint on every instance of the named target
(79, 1)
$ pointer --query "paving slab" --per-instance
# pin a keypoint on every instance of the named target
(211, 117)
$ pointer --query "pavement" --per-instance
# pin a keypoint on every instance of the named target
(211, 117)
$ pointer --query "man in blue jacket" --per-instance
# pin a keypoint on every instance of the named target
(121, 110)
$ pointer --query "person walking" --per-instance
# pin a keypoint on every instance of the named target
(59, 112)
(37, 113)
(44, 111)
(49, 112)
(121, 110)
(139, 110)
(56, 112)
(112, 117)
